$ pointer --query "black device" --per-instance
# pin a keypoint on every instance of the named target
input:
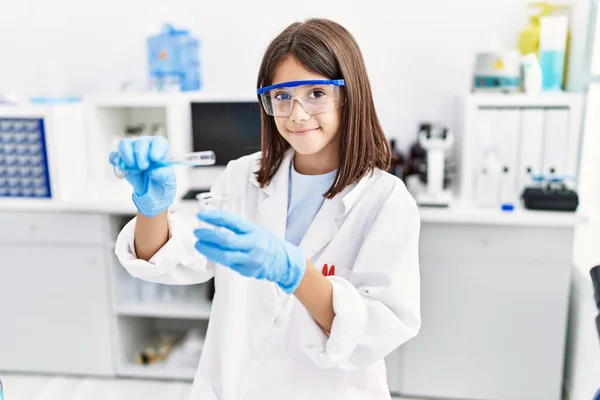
(230, 129)
(536, 198)
(595, 273)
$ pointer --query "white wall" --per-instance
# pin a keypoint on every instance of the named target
(419, 57)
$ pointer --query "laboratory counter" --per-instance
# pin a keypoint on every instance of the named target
(455, 214)
(494, 300)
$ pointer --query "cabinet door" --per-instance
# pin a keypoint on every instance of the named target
(54, 309)
(494, 305)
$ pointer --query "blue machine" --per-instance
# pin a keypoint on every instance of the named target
(23, 158)
(174, 60)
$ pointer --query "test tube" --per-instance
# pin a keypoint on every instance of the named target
(195, 159)
(213, 201)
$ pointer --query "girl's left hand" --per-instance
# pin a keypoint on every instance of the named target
(251, 250)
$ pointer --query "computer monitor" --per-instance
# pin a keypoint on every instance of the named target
(230, 129)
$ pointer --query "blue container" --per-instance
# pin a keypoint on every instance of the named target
(552, 63)
(174, 60)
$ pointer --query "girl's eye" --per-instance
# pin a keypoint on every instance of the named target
(282, 96)
(317, 93)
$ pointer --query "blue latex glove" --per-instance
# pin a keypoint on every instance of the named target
(251, 250)
(154, 189)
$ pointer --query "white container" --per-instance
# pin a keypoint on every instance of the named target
(487, 182)
(532, 74)
(553, 43)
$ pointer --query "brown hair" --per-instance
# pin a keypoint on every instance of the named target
(327, 48)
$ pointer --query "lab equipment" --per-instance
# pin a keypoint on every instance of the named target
(497, 71)
(315, 96)
(529, 39)
(398, 161)
(213, 201)
(194, 159)
(436, 140)
(188, 350)
(595, 274)
(251, 250)
(551, 193)
(174, 63)
(158, 350)
(1, 391)
(487, 180)
(24, 168)
(532, 74)
(553, 44)
(523, 135)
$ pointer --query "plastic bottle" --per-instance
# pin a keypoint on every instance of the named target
(487, 181)
(553, 48)
(174, 60)
(532, 74)
(529, 39)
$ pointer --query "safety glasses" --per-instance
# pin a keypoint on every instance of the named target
(315, 96)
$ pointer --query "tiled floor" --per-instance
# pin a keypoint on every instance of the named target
(33, 387)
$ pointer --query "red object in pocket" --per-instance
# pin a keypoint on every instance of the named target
(327, 271)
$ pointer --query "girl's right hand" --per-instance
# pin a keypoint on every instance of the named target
(154, 189)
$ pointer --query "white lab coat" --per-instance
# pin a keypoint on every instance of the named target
(261, 343)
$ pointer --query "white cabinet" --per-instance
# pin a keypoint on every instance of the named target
(55, 312)
(494, 313)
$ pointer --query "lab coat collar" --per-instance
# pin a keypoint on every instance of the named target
(273, 209)
(346, 199)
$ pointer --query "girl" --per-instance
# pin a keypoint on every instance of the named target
(317, 280)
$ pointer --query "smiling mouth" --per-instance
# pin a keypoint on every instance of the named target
(303, 132)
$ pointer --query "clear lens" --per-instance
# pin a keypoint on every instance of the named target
(314, 99)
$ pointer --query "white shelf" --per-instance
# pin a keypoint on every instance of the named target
(156, 99)
(174, 310)
(156, 371)
(559, 99)
(149, 99)
(464, 214)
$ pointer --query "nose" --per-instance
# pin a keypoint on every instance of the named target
(298, 113)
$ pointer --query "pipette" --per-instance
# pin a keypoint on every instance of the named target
(195, 159)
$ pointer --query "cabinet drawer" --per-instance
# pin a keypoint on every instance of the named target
(34, 227)
(501, 242)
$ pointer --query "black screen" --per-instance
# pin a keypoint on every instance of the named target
(231, 130)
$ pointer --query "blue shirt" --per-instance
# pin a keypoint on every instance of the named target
(305, 198)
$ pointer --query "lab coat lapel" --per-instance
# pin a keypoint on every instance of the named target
(272, 207)
(323, 227)
(329, 218)
(272, 214)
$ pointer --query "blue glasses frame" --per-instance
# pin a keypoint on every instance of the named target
(335, 82)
